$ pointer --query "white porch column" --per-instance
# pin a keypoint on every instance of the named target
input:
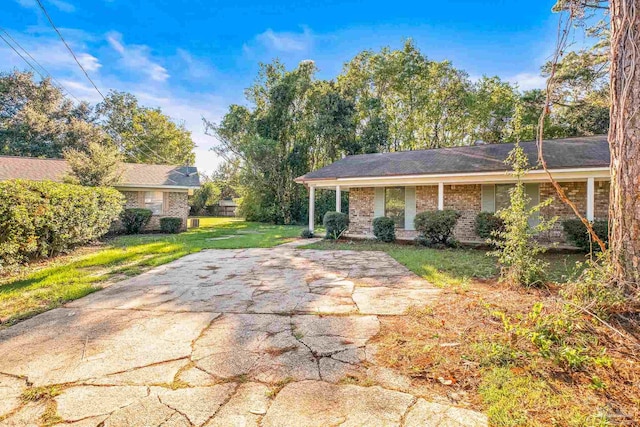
(312, 206)
(441, 196)
(338, 199)
(591, 194)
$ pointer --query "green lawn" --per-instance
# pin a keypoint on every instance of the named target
(451, 267)
(71, 277)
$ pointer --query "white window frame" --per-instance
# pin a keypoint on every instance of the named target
(154, 201)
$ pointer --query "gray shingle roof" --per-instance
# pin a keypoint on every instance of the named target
(134, 174)
(580, 152)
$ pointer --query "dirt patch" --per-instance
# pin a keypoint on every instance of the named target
(455, 347)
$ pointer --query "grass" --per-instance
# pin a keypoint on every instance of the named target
(451, 267)
(51, 284)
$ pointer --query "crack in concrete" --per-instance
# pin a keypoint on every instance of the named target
(175, 411)
(406, 411)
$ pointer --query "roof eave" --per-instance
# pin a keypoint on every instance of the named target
(537, 174)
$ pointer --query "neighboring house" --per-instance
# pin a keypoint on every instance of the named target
(225, 207)
(161, 188)
(468, 179)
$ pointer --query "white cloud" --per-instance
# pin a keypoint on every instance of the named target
(61, 5)
(286, 41)
(137, 58)
(196, 68)
(181, 104)
(528, 81)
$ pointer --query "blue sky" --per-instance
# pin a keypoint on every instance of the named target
(193, 58)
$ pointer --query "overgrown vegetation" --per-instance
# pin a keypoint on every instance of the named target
(42, 219)
(384, 229)
(435, 228)
(41, 287)
(578, 235)
(516, 246)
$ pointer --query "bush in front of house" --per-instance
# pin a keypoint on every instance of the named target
(488, 224)
(307, 234)
(135, 219)
(170, 224)
(577, 233)
(435, 228)
(43, 218)
(335, 223)
(384, 229)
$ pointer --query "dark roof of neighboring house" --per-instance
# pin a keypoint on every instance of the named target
(568, 153)
(134, 174)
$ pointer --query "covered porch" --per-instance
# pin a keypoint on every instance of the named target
(402, 197)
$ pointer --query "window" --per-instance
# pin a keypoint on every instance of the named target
(503, 198)
(153, 200)
(394, 205)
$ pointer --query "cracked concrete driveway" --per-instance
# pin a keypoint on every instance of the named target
(224, 338)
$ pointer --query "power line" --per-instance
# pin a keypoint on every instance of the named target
(23, 58)
(34, 60)
(69, 48)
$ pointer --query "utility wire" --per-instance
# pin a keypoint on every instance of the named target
(34, 60)
(69, 48)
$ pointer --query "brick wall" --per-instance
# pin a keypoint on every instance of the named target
(175, 205)
(467, 199)
(361, 206)
(577, 193)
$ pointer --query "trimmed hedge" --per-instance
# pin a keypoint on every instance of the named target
(335, 223)
(436, 227)
(487, 224)
(43, 218)
(384, 229)
(577, 233)
(170, 224)
(135, 219)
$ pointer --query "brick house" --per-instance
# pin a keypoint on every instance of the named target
(163, 189)
(469, 179)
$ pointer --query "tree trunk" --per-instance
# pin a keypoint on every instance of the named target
(624, 140)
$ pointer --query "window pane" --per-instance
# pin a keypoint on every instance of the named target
(153, 201)
(394, 205)
(503, 198)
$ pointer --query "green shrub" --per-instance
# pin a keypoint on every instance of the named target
(40, 219)
(135, 219)
(516, 246)
(335, 223)
(577, 234)
(307, 234)
(436, 227)
(384, 229)
(170, 224)
(487, 225)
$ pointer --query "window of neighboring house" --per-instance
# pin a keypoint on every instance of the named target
(153, 200)
(394, 205)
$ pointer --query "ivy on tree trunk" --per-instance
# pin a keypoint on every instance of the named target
(624, 140)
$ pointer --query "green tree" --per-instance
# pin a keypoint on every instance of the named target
(37, 120)
(207, 195)
(144, 135)
(272, 142)
(99, 165)
(494, 103)
(516, 247)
